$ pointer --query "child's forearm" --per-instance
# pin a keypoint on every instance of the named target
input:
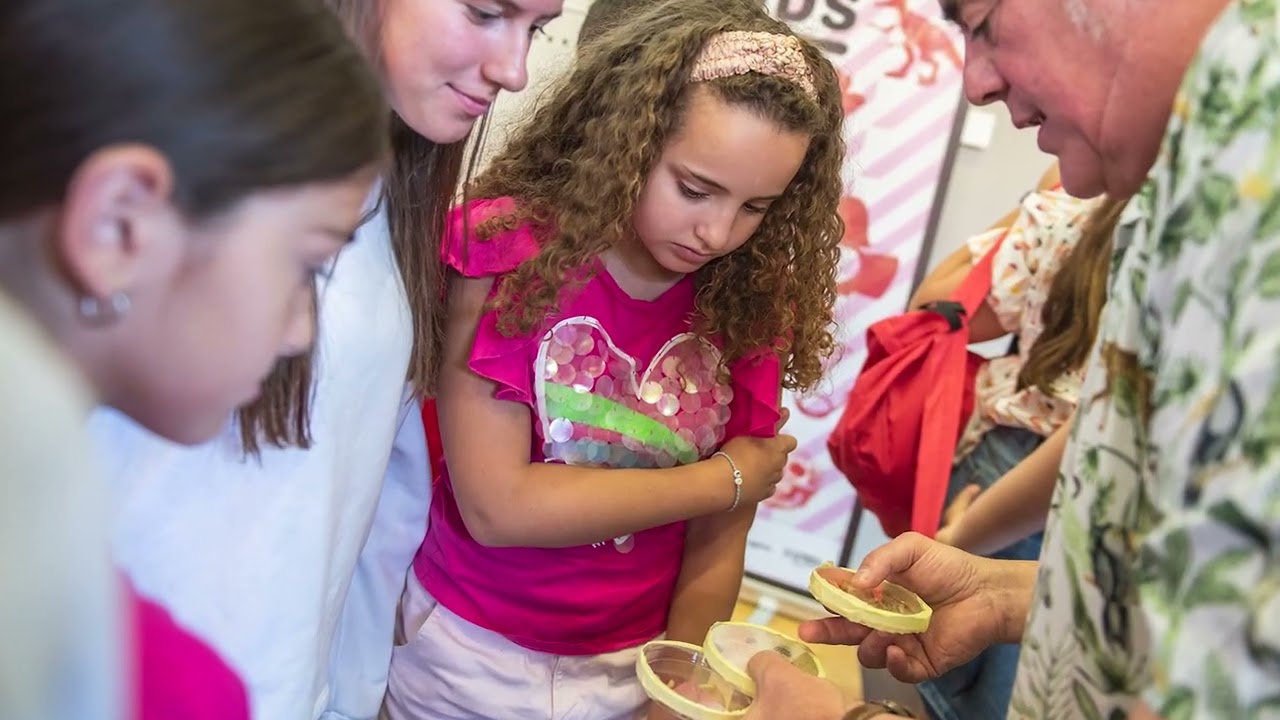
(943, 280)
(711, 574)
(1016, 506)
(564, 506)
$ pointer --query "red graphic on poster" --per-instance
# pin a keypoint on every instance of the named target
(849, 99)
(923, 38)
(873, 278)
(816, 405)
(875, 272)
(798, 485)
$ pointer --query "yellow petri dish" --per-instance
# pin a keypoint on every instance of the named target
(678, 677)
(895, 610)
(731, 645)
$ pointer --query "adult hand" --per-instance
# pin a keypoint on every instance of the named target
(976, 603)
(785, 691)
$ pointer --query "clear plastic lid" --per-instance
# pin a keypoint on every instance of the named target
(678, 678)
(730, 646)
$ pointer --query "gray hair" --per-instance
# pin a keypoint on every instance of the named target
(1083, 17)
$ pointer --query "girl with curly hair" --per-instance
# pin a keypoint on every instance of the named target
(639, 273)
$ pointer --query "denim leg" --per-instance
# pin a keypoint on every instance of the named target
(980, 689)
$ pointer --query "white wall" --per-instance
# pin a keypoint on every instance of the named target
(987, 183)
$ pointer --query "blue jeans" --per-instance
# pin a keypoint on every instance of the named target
(980, 689)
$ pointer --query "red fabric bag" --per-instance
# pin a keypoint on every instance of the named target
(904, 416)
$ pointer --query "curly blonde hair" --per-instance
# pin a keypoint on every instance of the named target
(579, 164)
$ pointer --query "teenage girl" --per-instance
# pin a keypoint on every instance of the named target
(165, 205)
(643, 269)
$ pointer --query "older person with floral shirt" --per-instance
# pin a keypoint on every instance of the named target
(1158, 590)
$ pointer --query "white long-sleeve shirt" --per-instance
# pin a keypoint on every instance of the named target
(291, 565)
(63, 642)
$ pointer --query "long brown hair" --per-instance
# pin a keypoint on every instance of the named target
(580, 161)
(416, 193)
(1072, 311)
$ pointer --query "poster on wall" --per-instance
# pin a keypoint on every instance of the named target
(900, 69)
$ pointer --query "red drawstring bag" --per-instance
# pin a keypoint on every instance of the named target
(904, 416)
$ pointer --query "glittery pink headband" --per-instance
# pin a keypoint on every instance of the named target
(737, 52)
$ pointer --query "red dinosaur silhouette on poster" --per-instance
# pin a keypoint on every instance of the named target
(923, 39)
(875, 272)
(798, 486)
(850, 99)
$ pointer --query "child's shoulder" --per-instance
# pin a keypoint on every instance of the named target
(487, 237)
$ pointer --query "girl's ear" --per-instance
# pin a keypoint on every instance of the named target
(103, 234)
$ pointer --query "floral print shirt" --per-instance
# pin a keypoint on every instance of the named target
(1160, 574)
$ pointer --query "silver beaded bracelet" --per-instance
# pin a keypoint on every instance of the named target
(737, 480)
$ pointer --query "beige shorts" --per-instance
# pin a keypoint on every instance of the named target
(445, 668)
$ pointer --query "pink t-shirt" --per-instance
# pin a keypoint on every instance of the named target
(611, 381)
(175, 674)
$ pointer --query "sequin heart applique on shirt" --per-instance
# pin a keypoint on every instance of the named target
(595, 408)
